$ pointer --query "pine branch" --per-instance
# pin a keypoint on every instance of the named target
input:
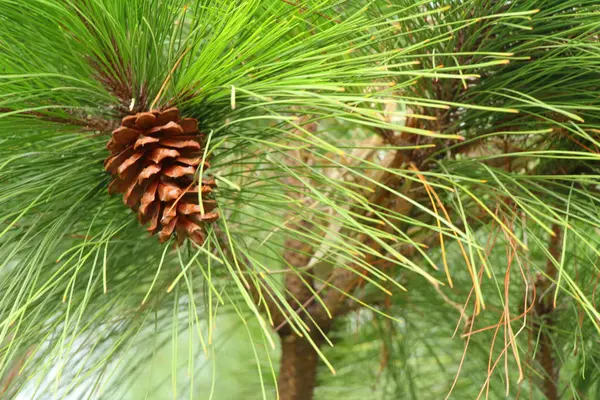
(439, 124)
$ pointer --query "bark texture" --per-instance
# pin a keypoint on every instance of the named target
(298, 368)
(299, 360)
(544, 310)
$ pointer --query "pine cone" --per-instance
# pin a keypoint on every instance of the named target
(154, 159)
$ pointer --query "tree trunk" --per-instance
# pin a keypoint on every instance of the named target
(298, 368)
(544, 309)
(545, 357)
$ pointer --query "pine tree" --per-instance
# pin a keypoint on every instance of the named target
(392, 199)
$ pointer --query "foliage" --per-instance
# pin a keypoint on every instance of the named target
(445, 152)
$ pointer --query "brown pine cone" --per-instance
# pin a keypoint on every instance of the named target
(154, 159)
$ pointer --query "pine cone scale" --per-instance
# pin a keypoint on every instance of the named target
(171, 128)
(181, 144)
(144, 140)
(159, 154)
(169, 115)
(129, 121)
(124, 135)
(193, 162)
(145, 120)
(149, 172)
(189, 125)
(129, 163)
(177, 171)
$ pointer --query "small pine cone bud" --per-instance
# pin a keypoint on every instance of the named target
(154, 159)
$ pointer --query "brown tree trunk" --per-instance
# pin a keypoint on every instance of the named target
(544, 309)
(545, 357)
(298, 368)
